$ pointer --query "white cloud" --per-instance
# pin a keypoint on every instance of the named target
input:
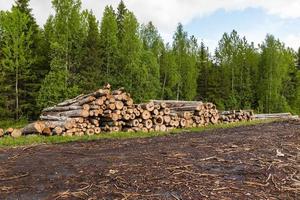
(293, 40)
(166, 14)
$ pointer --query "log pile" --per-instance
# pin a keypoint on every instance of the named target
(111, 111)
(236, 116)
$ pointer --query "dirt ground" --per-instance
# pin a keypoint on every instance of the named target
(257, 162)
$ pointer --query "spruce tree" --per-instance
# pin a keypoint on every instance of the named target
(131, 74)
(186, 65)
(204, 65)
(66, 52)
(109, 46)
(90, 72)
(40, 66)
(152, 47)
(16, 61)
(122, 11)
(273, 70)
(169, 74)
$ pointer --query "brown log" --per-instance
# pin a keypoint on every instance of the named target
(86, 106)
(148, 106)
(85, 100)
(126, 117)
(70, 113)
(182, 122)
(174, 103)
(112, 106)
(156, 128)
(35, 127)
(90, 132)
(157, 106)
(133, 123)
(147, 123)
(167, 119)
(68, 124)
(97, 130)
(53, 118)
(99, 102)
(155, 112)
(166, 111)
(60, 109)
(163, 105)
(9, 131)
(47, 131)
(159, 120)
(119, 105)
(129, 102)
(132, 116)
(70, 101)
(162, 128)
(57, 130)
(16, 133)
(115, 129)
(146, 114)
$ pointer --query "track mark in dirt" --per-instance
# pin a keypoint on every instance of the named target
(253, 162)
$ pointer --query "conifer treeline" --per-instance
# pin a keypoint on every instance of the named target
(74, 54)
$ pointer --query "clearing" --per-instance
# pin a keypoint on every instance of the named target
(250, 162)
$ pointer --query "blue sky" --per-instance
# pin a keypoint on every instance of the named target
(254, 23)
(206, 19)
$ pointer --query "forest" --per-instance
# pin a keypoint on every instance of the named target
(73, 53)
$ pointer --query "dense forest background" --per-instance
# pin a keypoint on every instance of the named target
(73, 53)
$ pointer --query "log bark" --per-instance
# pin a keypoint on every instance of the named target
(16, 133)
(35, 127)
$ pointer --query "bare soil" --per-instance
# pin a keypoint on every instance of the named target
(251, 162)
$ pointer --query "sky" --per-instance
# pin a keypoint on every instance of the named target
(205, 19)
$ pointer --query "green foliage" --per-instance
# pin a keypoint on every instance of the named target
(273, 72)
(91, 63)
(16, 61)
(109, 47)
(186, 65)
(238, 61)
(169, 75)
(66, 41)
(72, 54)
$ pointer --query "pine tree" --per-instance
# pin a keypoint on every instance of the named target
(16, 60)
(109, 46)
(66, 52)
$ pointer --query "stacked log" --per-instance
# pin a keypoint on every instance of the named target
(191, 113)
(111, 111)
(236, 116)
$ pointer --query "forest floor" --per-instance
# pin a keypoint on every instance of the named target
(249, 162)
